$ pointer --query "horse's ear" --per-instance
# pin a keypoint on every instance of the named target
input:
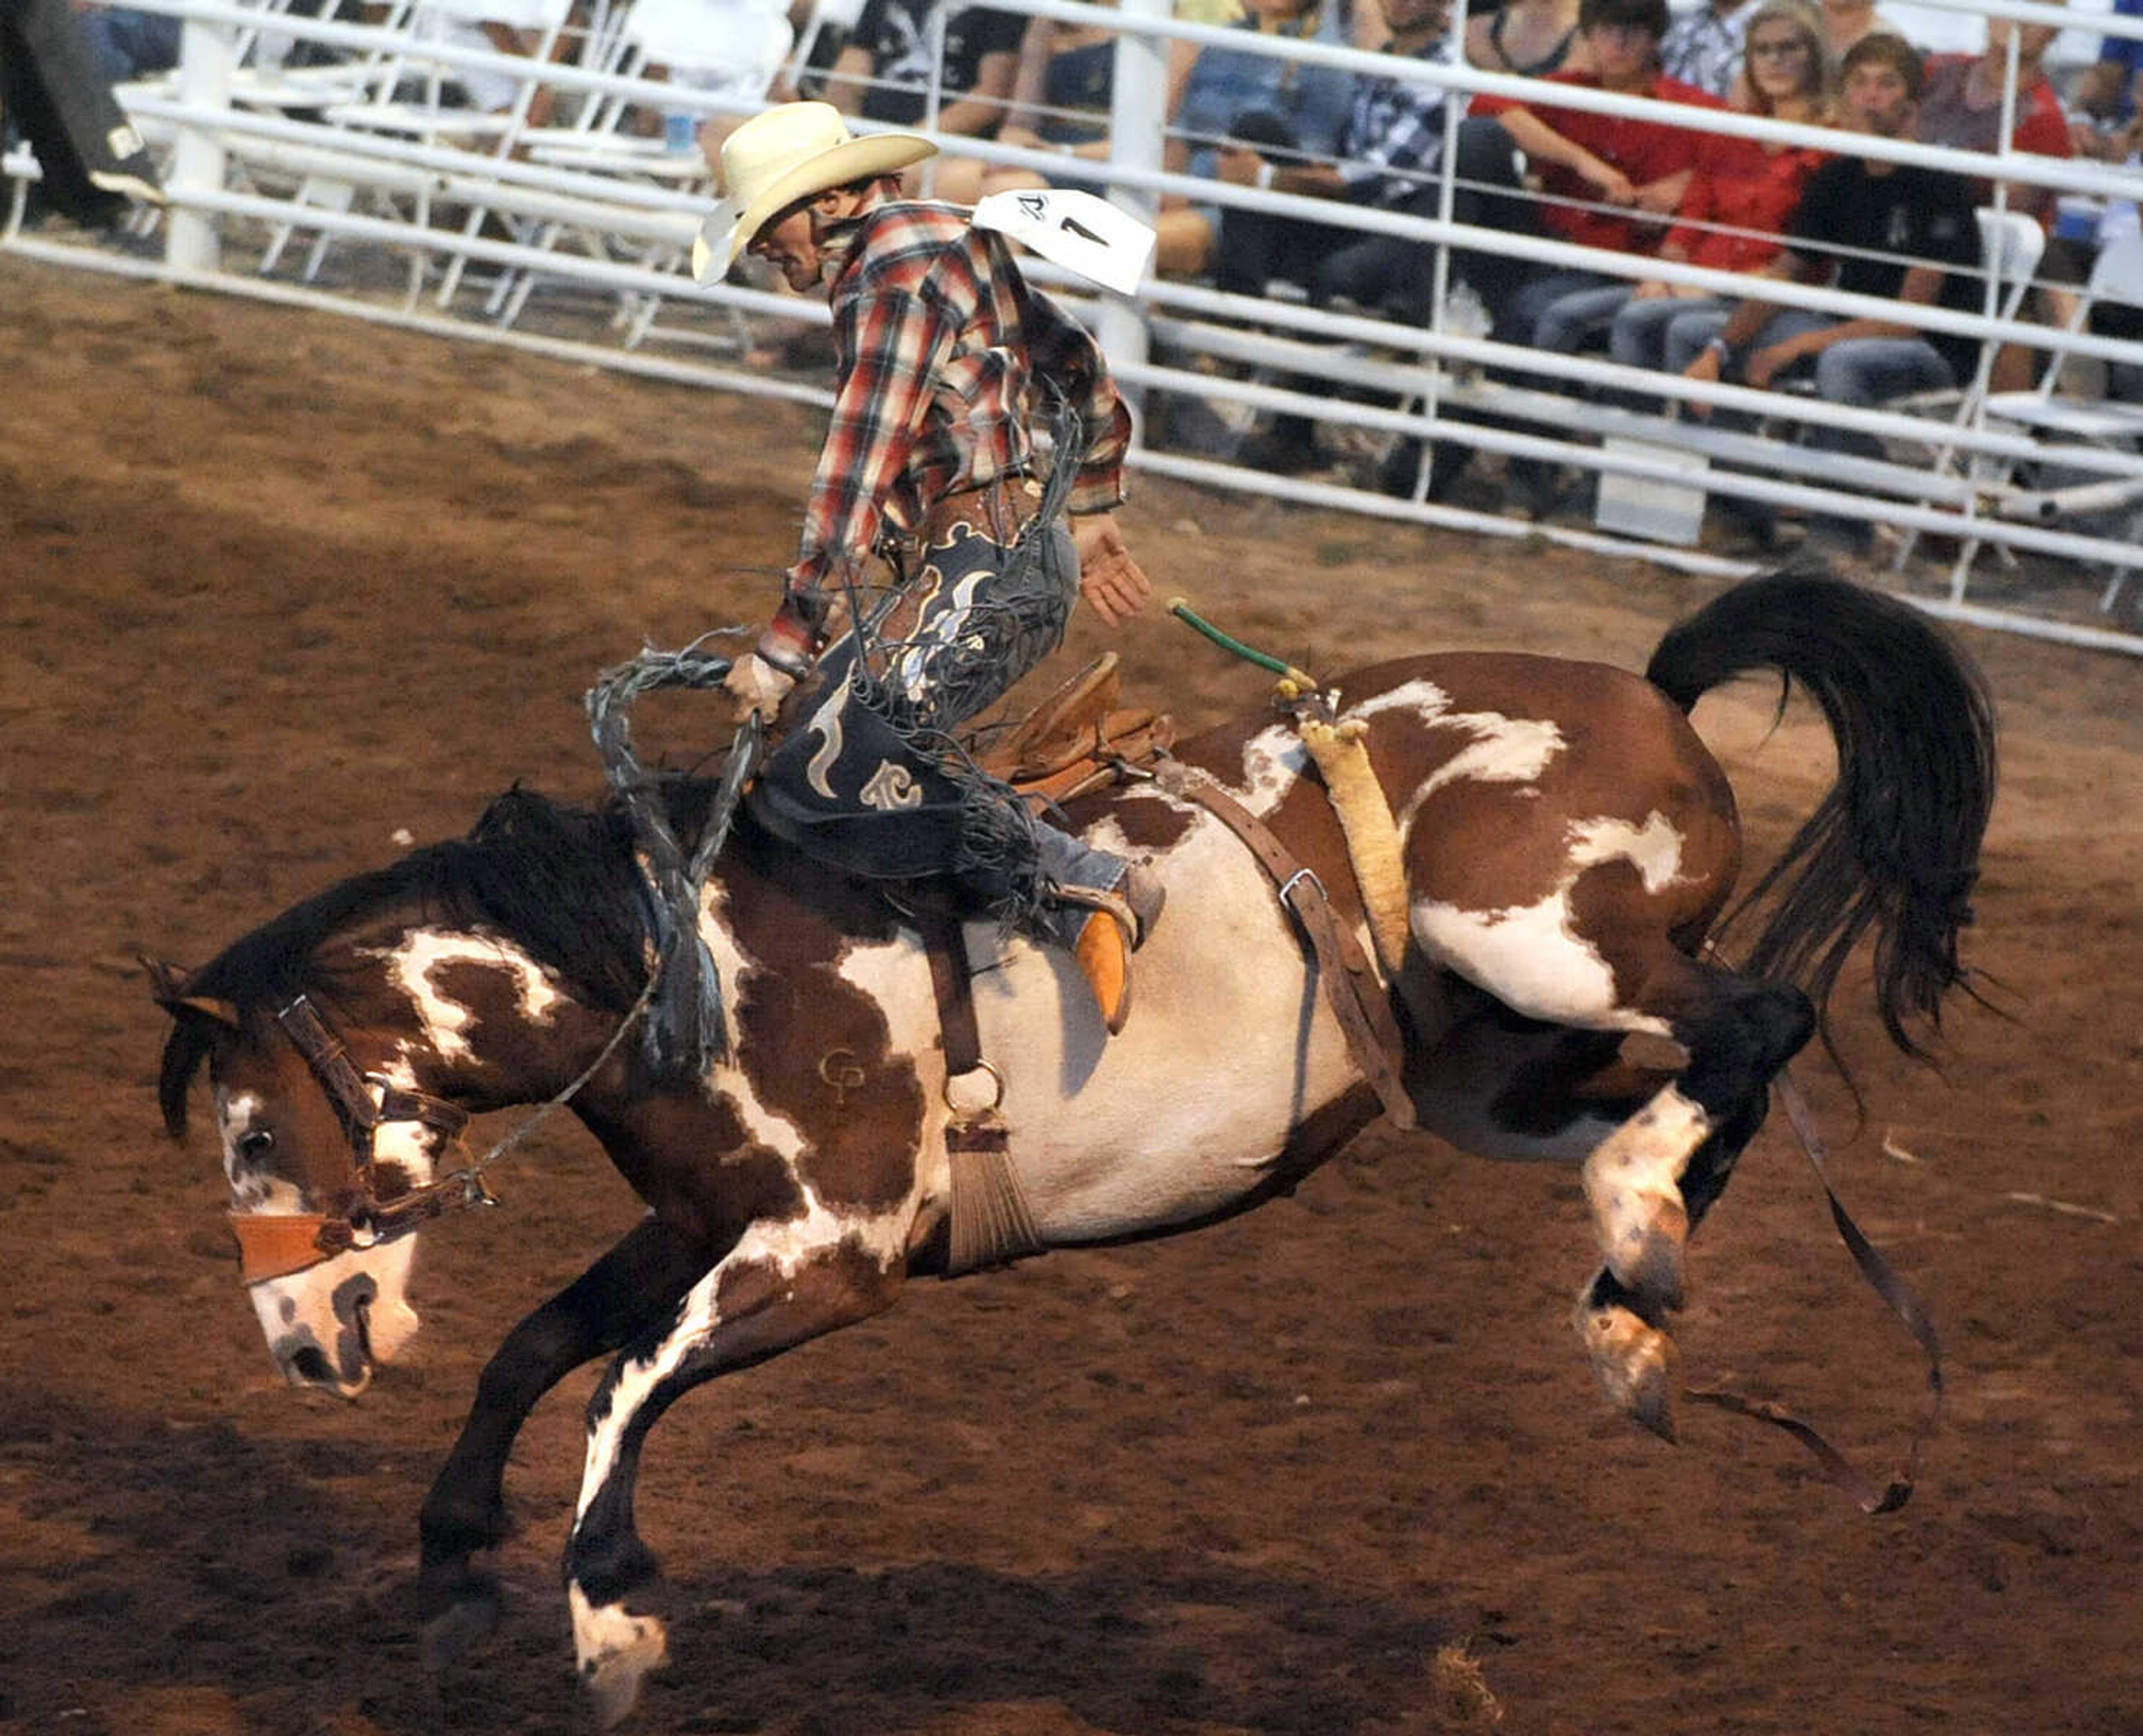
(167, 985)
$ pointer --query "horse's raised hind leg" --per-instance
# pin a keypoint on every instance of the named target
(626, 1294)
(780, 1286)
(1651, 1179)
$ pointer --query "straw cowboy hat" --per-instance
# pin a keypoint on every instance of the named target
(783, 155)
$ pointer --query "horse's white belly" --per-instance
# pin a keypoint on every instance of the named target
(1185, 1110)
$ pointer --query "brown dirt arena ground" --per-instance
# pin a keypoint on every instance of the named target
(279, 590)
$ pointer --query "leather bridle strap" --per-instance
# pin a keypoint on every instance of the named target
(324, 1054)
(274, 1244)
(1352, 987)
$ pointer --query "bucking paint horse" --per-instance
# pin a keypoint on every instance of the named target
(1568, 849)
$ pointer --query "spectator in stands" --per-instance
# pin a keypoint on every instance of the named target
(1293, 111)
(1062, 92)
(129, 42)
(1610, 182)
(1962, 103)
(1962, 107)
(1527, 39)
(1703, 47)
(1845, 21)
(1388, 147)
(2108, 93)
(1744, 191)
(887, 67)
(1896, 232)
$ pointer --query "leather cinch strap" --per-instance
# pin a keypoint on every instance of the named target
(1352, 987)
(992, 1223)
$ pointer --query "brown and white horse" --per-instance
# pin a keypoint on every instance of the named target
(1569, 847)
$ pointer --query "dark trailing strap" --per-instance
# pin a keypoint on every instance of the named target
(1352, 987)
(1903, 1301)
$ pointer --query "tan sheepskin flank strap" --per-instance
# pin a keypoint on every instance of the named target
(1358, 998)
(1372, 835)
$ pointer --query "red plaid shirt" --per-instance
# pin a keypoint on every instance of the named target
(940, 348)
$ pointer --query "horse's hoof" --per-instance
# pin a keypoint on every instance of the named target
(1634, 1363)
(616, 1649)
(469, 1619)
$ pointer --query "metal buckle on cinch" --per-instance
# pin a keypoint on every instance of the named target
(1294, 879)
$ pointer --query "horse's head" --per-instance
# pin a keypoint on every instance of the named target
(340, 1037)
(320, 1146)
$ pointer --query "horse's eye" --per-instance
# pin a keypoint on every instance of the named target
(255, 1143)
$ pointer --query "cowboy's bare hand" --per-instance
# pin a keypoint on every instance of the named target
(1109, 578)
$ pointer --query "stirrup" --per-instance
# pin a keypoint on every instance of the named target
(1134, 901)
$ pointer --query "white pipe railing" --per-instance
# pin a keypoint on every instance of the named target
(1271, 335)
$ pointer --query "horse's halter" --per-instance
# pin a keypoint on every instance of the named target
(274, 1244)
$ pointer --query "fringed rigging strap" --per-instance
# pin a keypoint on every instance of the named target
(684, 1026)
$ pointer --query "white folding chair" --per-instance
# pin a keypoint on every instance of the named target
(2011, 245)
(2064, 418)
(720, 55)
(426, 115)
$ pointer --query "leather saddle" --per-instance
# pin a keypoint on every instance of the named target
(1082, 737)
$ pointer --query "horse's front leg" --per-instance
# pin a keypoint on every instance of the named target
(625, 1295)
(782, 1284)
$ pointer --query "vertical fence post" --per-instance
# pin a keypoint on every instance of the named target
(205, 57)
(1138, 122)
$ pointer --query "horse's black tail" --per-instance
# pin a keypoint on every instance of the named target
(1894, 846)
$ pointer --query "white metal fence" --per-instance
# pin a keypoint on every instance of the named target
(345, 185)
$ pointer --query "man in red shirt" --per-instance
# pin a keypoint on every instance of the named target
(948, 367)
(1609, 182)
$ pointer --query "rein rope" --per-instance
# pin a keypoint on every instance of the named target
(685, 1030)
(682, 991)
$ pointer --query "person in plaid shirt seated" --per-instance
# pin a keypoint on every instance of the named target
(1389, 151)
(949, 366)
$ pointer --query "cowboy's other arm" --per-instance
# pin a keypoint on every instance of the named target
(1110, 579)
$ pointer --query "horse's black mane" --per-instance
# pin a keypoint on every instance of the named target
(558, 880)
(555, 879)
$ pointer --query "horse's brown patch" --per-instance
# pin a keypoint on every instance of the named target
(694, 1161)
(817, 1048)
(842, 1281)
(1147, 821)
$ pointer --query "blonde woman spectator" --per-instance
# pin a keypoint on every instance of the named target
(1744, 191)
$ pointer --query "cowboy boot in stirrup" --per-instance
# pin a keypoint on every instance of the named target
(1119, 923)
